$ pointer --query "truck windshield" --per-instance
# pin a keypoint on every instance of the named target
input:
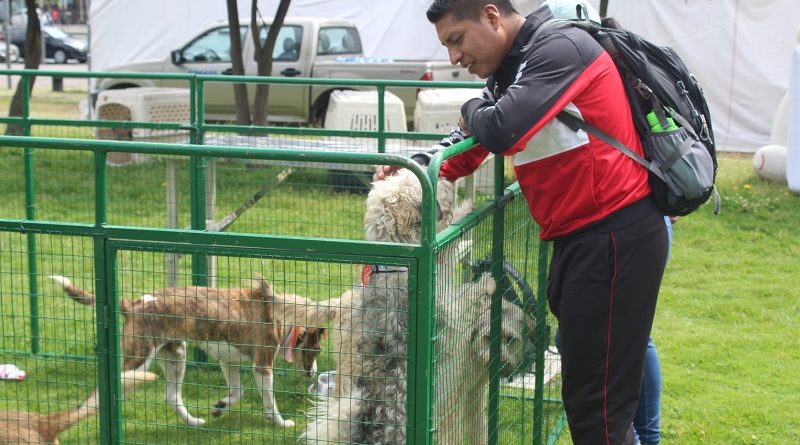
(287, 46)
(212, 46)
(338, 40)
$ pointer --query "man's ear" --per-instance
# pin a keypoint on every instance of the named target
(491, 12)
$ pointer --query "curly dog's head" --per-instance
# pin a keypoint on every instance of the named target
(394, 208)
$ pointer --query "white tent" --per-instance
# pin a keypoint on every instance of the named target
(739, 51)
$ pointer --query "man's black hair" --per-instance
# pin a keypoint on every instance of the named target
(465, 9)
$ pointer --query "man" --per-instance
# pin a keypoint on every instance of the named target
(592, 200)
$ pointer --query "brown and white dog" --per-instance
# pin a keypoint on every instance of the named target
(20, 427)
(234, 326)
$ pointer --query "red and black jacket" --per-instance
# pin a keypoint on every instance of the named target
(569, 179)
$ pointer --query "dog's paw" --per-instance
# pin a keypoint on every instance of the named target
(196, 421)
(487, 283)
(283, 423)
(219, 409)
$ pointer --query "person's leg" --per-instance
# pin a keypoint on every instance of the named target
(647, 421)
(603, 289)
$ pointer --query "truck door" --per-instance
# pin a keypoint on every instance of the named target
(287, 103)
(209, 53)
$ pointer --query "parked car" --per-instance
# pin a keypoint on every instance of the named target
(59, 46)
(328, 48)
(12, 49)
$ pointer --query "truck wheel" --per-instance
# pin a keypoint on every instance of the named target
(319, 109)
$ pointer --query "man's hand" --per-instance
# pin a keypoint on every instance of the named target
(423, 158)
(382, 171)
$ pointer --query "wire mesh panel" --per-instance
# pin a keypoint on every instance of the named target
(492, 335)
(265, 328)
(12, 182)
(532, 405)
(47, 351)
(446, 339)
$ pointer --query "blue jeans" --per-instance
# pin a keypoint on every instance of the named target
(646, 422)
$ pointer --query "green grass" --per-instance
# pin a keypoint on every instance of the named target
(727, 319)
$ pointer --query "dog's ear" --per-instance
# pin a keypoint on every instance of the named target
(263, 287)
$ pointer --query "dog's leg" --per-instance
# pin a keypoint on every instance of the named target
(265, 383)
(476, 429)
(263, 360)
(174, 365)
(233, 379)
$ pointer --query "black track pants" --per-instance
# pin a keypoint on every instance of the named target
(603, 288)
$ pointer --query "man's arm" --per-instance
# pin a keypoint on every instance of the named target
(549, 78)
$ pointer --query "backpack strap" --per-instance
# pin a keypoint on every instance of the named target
(575, 123)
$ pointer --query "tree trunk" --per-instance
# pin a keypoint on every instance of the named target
(603, 8)
(33, 57)
(237, 65)
(264, 56)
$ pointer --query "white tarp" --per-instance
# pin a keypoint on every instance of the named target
(793, 150)
(125, 31)
(739, 50)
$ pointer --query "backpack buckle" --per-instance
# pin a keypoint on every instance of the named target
(642, 89)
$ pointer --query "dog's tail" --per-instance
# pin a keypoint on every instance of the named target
(332, 419)
(56, 423)
(77, 294)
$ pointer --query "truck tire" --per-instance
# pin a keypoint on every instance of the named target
(319, 109)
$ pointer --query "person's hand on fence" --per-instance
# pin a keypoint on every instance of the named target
(383, 171)
(423, 158)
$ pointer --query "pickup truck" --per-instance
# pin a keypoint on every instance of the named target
(306, 47)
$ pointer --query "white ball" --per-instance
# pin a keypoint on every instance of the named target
(769, 162)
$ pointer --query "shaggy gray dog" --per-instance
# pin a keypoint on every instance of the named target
(393, 214)
(370, 328)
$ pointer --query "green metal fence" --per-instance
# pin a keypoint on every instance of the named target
(122, 232)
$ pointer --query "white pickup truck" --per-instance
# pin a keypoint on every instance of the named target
(306, 47)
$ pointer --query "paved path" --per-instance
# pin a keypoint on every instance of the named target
(46, 82)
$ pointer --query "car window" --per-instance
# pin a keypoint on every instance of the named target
(287, 46)
(212, 46)
(338, 40)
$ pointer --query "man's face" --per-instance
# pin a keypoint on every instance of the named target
(476, 45)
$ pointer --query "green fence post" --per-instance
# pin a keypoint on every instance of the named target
(108, 356)
(498, 256)
(30, 214)
(421, 282)
(381, 119)
(196, 115)
(197, 191)
(420, 356)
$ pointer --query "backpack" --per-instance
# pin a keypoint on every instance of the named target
(670, 114)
